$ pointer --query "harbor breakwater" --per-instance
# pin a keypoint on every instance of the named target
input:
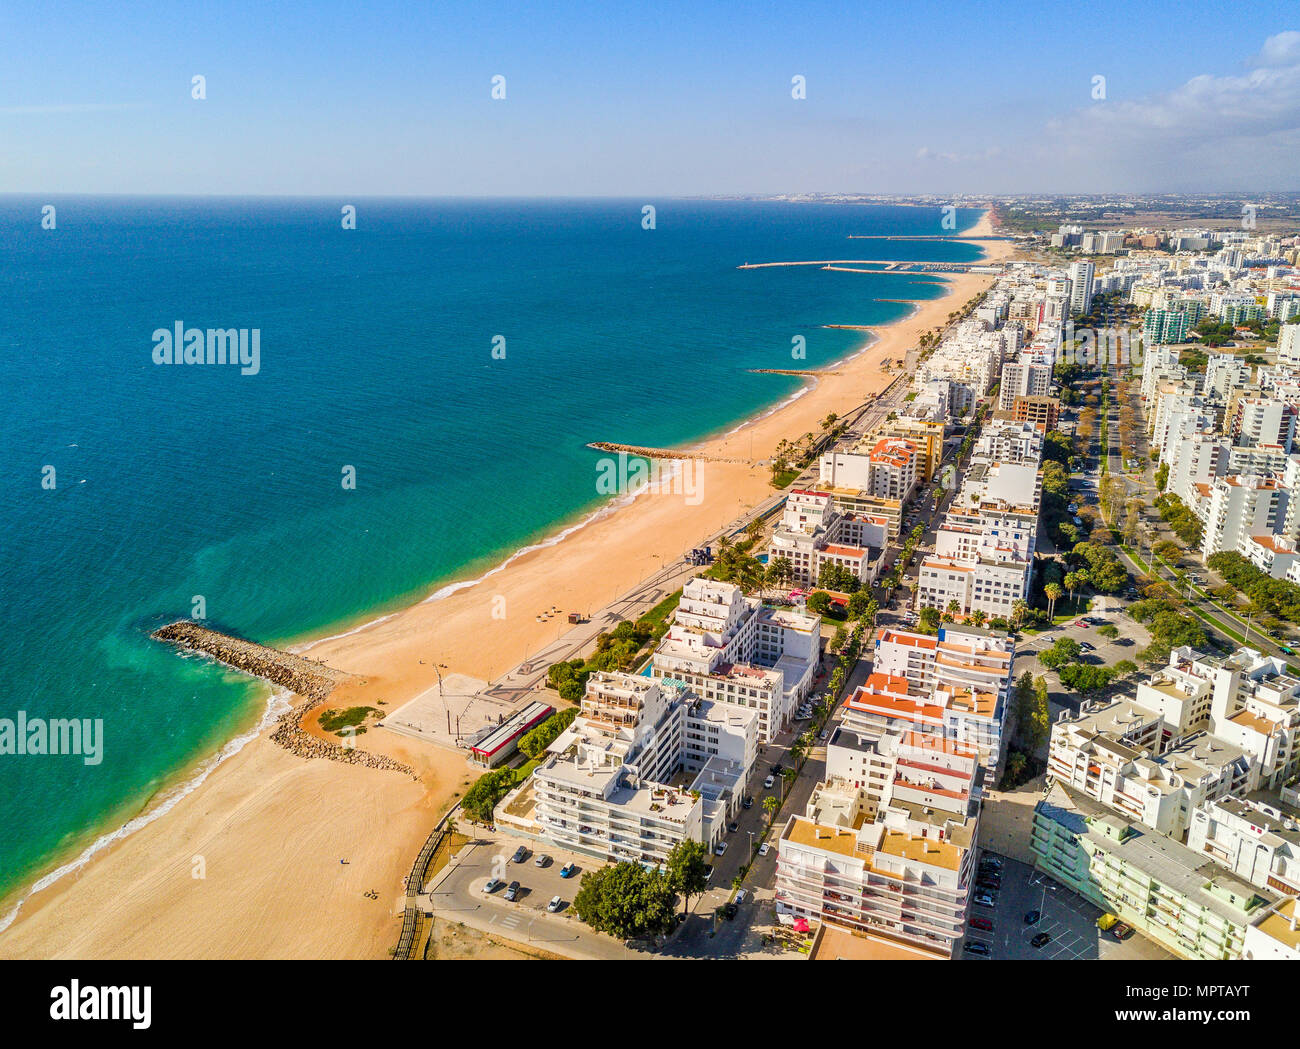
(662, 453)
(309, 679)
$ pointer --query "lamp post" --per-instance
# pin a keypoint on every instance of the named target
(438, 668)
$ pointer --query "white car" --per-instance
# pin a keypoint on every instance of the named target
(555, 904)
(764, 849)
(720, 848)
(769, 783)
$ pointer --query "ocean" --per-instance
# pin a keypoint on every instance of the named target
(135, 492)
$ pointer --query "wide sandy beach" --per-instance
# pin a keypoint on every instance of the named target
(249, 864)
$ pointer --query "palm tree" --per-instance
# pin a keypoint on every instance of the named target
(769, 805)
(954, 606)
(1019, 609)
(979, 617)
(1052, 591)
(1072, 583)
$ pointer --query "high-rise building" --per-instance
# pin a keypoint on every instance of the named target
(1081, 277)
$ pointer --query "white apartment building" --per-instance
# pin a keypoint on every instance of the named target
(1009, 442)
(1264, 421)
(645, 765)
(984, 548)
(813, 533)
(1257, 841)
(1240, 507)
(1081, 278)
(1274, 934)
(891, 858)
(894, 469)
(1200, 729)
(1029, 375)
(1157, 789)
(730, 649)
(956, 685)
(1288, 345)
(1197, 459)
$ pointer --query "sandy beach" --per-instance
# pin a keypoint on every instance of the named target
(267, 830)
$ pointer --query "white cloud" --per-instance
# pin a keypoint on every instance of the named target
(1209, 133)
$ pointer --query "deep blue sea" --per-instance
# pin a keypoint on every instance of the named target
(171, 482)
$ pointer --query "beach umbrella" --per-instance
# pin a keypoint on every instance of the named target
(801, 925)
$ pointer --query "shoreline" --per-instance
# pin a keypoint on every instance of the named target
(281, 822)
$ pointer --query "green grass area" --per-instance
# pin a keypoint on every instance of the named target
(351, 717)
(784, 478)
(660, 613)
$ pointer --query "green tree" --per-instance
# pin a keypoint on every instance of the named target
(1052, 591)
(1019, 609)
(626, 901)
(687, 863)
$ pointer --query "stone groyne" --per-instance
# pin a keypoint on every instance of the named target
(309, 679)
(811, 373)
(662, 453)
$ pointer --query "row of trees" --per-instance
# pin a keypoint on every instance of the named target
(617, 649)
(1184, 523)
(1275, 597)
(535, 742)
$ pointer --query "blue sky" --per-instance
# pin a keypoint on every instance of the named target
(629, 99)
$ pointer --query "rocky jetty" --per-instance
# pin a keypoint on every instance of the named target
(661, 453)
(310, 679)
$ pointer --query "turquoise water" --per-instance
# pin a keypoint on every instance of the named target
(173, 482)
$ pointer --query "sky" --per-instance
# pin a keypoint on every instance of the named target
(671, 98)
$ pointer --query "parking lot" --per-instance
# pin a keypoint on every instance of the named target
(1069, 920)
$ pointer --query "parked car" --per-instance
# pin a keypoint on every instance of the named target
(568, 870)
(748, 803)
(769, 783)
(542, 860)
(777, 769)
(741, 897)
(1085, 647)
(492, 884)
(512, 891)
(764, 849)
(1121, 931)
(975, 947)
(984, 899)
(708, 871)
(647, 946)
(1032, 918)
(981, 923)
(520, 855)
(555, 904)
(1041, 940)
(732, 827)
(729, 912)
(825, 735)
(989, 860)
(720, 848)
